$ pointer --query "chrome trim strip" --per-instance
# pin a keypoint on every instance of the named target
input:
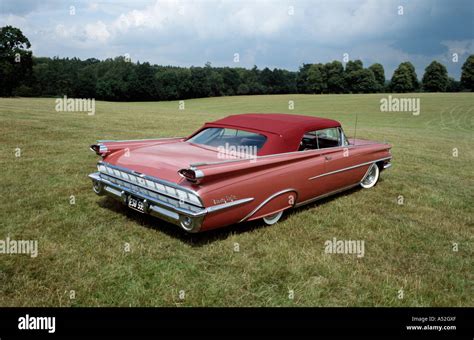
(326, 195)
(151, 178)
(163, 208)
(254, 159)
(228, 204)
(137, 140)
(167, 213)
(195, 165)
(113, 191)
(265, 202)
(348, 168)
(338, 190)
(96, 177)
(149, 192)
(344, 139)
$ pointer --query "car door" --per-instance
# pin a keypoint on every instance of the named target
(338, 162)
(308, 177)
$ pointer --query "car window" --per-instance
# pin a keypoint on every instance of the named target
(321, 139)
(228, 132)
(329, 134)
(221, 137)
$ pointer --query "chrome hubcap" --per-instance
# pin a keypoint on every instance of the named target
(370, 178)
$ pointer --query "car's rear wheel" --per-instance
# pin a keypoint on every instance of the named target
(272, 219)
(371, 177)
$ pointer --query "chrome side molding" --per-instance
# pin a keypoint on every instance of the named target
(136, 140)
(349, 168)
(266, 201)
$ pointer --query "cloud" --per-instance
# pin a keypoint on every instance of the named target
(461, 47)
(274, 33)
(97, 31)
(19, 7)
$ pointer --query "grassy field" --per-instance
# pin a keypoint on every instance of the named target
(83, 246)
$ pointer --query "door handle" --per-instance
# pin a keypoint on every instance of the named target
(328, 158)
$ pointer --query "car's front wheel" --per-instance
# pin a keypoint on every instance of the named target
(272, 219)
(371, 177)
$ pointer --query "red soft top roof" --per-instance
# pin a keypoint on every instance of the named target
(278, 123)
(288, 128)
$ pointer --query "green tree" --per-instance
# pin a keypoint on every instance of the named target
(217, 83)
(352, 74)
(173, 83)
(362, 81)
(289, 80)
(453, 85)
(243, 89)
(143, 82)
(251, 79)
(266, 79)
(201, 84)
(404, 79)
(184, 86)
(334, 77)
(357, 79)
(413, 75)
(435, 78)
(231, 79)
(316, 78)
(282, 81)
(302, 84)
(467, 75)
(15, 59)
(379, 74)
(355, 65)
(86, 82)
(115, 78)
(277, 81)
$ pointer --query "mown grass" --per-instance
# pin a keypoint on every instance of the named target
(81, 246)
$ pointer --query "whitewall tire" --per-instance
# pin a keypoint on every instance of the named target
(371, 177)
(272, 219)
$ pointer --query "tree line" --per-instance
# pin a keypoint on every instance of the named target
(119, 79)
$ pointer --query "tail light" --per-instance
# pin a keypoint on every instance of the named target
(99, 149)
(192, 175)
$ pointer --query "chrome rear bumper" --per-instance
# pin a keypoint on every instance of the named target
(189, 217)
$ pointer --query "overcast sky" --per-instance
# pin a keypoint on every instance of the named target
(266, 33)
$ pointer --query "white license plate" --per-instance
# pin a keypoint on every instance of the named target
(136, 203)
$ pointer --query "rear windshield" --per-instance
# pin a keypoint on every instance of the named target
(222, 137)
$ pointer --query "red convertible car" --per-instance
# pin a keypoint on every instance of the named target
(239, 168)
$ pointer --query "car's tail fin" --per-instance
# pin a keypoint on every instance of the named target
(205, 172)
(105, 147)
